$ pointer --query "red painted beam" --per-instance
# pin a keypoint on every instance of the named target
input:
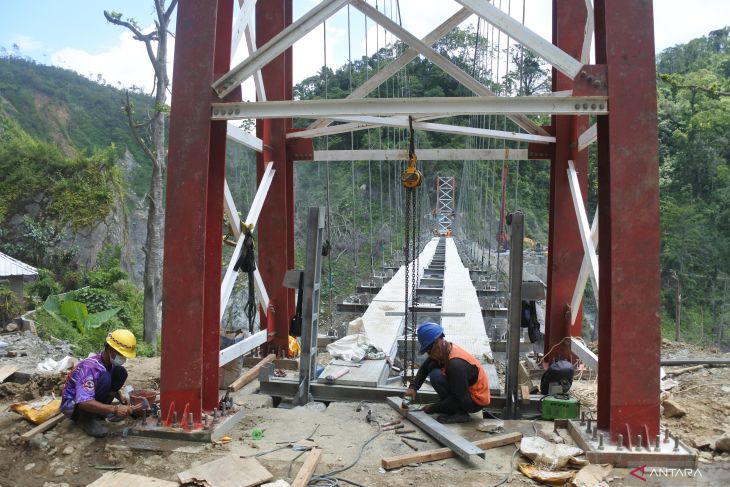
(628, 201)
(276, 224)
(214, 219)
(190, 176)
(564, 243)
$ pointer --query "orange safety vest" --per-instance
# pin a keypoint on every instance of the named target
(479, 391)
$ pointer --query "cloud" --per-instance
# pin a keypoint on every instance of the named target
(25, 43)
(125, 64)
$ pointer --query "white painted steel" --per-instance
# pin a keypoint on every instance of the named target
(263, 189)
(449, 68)
(585, 267)
(242, 21)
(242, 347)
(585, 54)
(278, 44)
(437, 106)
(584, 353)
(229, 279)
(370, 122)
(239, 135)
(423, 155)
(561, 60)
(585, 231)
(397, 64)
(588, 137)
(258, 79)
(229, 206)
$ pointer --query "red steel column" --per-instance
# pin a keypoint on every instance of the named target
(214, 221)
(193, 205)
(628, 202)
(276, 224)
(565, 249)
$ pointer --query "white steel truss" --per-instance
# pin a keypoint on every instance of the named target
(423, 155)
(445, 211)
(589, 238)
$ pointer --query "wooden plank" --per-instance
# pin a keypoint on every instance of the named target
(440, 432)
(121, 479)
(6, 371)
(310, 464)
(443, 453)
(50, 423)
(250, 374)
(228, 471)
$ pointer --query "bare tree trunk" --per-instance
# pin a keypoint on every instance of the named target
(157, 155)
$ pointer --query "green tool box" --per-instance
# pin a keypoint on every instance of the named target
(559, 408)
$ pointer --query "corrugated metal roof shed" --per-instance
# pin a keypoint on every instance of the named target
(13, 267)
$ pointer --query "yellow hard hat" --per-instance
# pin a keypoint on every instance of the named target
(123, 341)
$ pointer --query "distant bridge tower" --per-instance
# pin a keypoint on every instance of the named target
(445, 187)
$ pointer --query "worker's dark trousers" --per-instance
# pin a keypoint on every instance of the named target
(107, 385)
(440, 384)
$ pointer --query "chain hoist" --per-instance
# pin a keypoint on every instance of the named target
(410, 179)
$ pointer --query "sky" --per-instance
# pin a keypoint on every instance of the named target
(74, 33)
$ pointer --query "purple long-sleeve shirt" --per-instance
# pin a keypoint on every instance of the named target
(81, 386)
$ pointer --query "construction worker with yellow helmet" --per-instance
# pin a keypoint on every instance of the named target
(95, 382)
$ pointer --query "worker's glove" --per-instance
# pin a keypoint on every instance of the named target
(411, 393)
(428, 409)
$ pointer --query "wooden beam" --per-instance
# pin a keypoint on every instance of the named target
(310, 464)
(443, 453)
(250, 374)
(48, 424)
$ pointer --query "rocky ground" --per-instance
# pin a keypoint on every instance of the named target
(65, 456)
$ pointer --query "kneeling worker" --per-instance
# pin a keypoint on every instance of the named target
(93, 384)
(456, 375)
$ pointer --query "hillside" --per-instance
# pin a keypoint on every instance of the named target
(75, 114)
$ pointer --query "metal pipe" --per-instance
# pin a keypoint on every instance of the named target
(516, 222)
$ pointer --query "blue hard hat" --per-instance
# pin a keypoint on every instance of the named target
(427, 334)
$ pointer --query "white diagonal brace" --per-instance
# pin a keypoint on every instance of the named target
(585, 269)
(436, 106)
(585, 54)
(242, 29)
(239, 135)
(387, 72)
(230, 277)
(585, 231)
(242, 21)
(277, 45)
(449, 68)
(588, 137)
(562, 61)
(423, 155)
(229, 206)
(401, 122)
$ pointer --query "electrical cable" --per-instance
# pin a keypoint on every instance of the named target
(329, 479)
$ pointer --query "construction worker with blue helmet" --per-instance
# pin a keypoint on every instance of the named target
(457, 377)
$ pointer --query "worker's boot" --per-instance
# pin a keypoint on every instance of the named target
(91, 425)
(460, 417)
